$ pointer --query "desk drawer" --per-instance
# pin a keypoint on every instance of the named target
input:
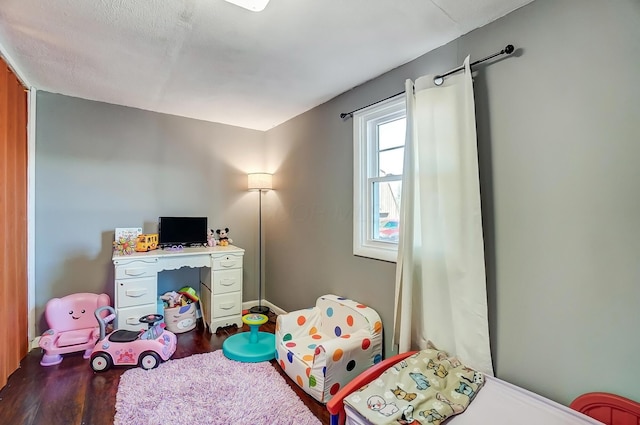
(129, 318)
(229, 261)
(135, 270)
(226, 305)
(131, 292)
(227, 281)
(221, 322)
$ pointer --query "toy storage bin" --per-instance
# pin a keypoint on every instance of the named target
(180, 319)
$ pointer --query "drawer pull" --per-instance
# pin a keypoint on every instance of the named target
(133, 320)
(227, 306)
(135, 292)
(133, 272)
(228, 264)
(228, 282)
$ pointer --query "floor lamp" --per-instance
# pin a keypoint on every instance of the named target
(261, 182)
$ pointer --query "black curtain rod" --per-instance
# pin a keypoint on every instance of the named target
(437, 80)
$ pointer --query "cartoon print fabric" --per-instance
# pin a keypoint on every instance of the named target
(426, 388)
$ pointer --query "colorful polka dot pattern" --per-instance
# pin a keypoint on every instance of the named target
(325, 347)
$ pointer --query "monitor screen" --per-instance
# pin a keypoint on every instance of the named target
(182, 230)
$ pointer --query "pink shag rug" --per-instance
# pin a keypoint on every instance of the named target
(209, 389)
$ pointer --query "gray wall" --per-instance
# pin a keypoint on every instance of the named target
(559, 155)
(558, 129)
(101, 166)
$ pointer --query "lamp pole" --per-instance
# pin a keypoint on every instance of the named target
(259, 309)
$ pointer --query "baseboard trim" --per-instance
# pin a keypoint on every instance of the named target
(277, 310)
(35, 343)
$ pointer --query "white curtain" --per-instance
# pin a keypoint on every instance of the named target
(440, 278)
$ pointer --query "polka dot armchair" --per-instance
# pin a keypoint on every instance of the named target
(324, 347)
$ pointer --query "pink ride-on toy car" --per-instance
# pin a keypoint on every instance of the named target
(130, 348)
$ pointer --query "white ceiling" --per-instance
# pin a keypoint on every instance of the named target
(214, 61)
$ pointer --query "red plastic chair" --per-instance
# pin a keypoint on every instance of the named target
(608, 408)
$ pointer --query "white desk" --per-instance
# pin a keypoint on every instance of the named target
(136, 283)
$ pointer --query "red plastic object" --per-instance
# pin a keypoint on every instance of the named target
(609, 409)
(335, 405)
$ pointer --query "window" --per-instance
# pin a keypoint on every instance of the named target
(379, 133)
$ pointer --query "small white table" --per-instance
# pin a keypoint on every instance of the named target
(136, 283)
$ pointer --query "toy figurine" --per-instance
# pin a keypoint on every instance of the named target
(223, 237)
(211, 240)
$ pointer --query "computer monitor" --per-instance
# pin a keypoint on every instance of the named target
(184, 231)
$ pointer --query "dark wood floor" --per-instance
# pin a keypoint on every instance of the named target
(71, 393)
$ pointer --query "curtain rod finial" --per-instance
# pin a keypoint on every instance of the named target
(509, 49)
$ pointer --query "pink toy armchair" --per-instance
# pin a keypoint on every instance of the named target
(73, 326)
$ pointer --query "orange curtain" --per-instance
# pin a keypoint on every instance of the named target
(14, 338)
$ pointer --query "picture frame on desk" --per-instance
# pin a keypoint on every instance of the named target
(125, 240)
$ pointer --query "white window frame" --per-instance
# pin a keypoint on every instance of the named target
(365, 151)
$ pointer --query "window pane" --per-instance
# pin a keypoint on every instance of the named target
(391, 134)
(390, 162)
(386, 211)
(379, 138)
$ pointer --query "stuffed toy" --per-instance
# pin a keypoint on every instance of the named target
(223, 237)
(172, 299)
(211, 240)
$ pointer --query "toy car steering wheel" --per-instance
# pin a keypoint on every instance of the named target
(150, 319)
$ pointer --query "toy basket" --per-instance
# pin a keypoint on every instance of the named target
(180, 319)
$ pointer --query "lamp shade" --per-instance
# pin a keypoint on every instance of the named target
(260, 181)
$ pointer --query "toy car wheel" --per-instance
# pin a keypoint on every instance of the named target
(101, 362)
(149, 360)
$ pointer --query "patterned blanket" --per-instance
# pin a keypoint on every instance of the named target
(426, 388)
